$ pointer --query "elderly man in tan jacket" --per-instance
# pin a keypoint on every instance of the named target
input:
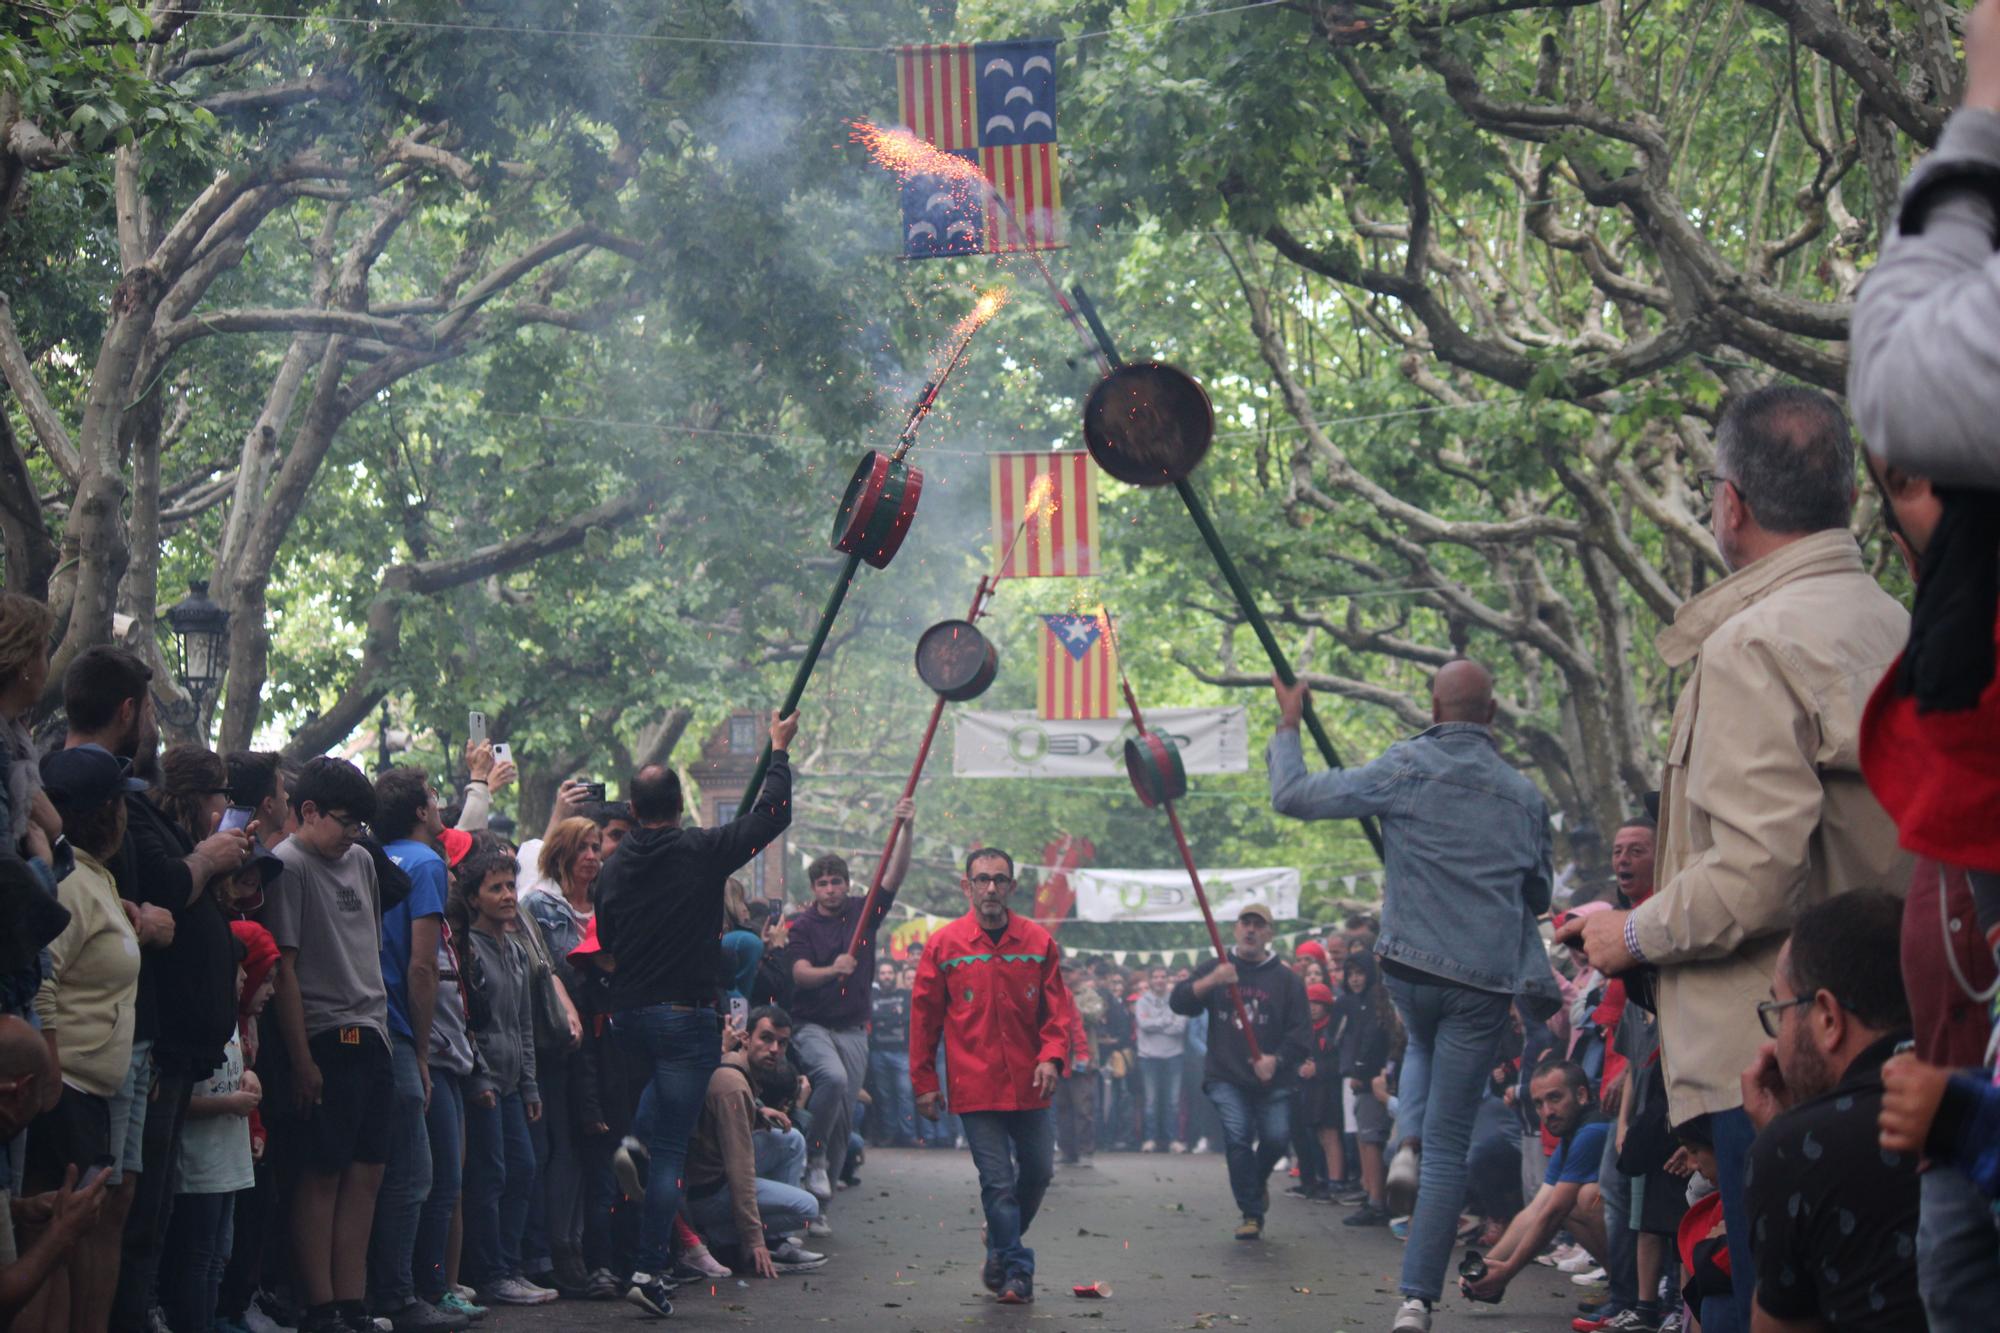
(1763, 811)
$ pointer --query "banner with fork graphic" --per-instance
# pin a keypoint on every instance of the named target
(1017, 744)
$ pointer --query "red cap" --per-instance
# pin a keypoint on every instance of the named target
(260, 955)
(1311, 949)
(587, 947)
(1319, 994)
(456, 843)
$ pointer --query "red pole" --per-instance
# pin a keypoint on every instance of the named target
(910, 789)
(1194, 877)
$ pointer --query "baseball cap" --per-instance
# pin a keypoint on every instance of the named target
(456, 843)
(1319, 994)
(85, 777)
(1311, 949)
(1260, 910)
(268, 863)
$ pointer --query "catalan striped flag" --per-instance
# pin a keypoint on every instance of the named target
(1079, 670)
(1062, 537)
(993, 103)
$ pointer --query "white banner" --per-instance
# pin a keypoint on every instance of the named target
(1166, 895)
(1021, 745)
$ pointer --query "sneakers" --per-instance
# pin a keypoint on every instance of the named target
(819, 1228)
(651, 1294)
(1560, 1254)
(1176, 1146)
(1403, 1179)
(818, 1184)
(1018, 1290)
(1632, 1321)
(258, 1316)
(1412, 1316)
(630, 1161)
(1200, 1145)
(1351, 1196)
(453, 1303)
(698, 1265)
(1590, 1277)
(1578, 1260)
(604, 1285)
(420, 1316)
(1250, 1228)
(1399, 1227)
(992, 1275)
(1367, 1215)
(515, 1291)
(792, 1257)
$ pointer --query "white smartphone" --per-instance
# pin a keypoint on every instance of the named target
(475, 726)
(235, 817)
(501, 753)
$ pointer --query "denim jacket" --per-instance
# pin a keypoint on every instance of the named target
(1467, 844)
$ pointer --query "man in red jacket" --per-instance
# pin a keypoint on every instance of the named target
(991, 982)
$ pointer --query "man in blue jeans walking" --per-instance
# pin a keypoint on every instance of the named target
(659, 914)
(991, 984)
(1466, 873)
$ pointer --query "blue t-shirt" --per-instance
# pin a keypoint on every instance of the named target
(1576, 1159)
(426, 870)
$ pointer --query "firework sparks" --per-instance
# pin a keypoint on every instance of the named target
(903, 153)
(1041, 497)
(987, 306)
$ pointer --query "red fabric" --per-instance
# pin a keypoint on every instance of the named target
(1002, 1009)
(456, 844)
(260, 955)
(1950, 1027)
(1318, 994)
(1610, 1012)
(1937, 774)
(1700, 1219)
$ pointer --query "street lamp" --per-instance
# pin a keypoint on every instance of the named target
(203, 630)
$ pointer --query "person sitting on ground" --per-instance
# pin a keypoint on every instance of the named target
(1569, 1196)
(746, 1217)
(57, 1219)
(1833, 1214)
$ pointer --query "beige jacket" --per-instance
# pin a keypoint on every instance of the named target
(1763, 812)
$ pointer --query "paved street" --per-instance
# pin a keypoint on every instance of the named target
(906, 1258)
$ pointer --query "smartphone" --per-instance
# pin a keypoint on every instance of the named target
(236, 816)
(593, 791)
(92, 1173)
(739, 1012)
(475, 726)
(501, 754)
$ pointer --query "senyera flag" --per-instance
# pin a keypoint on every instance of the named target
(1079, 669)
(1061, 539)
(993, 103)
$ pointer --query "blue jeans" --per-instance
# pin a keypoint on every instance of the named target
(197, 1251)
(1256, 1132)
(894, 1117)
(1454, 1036)
(444, 1124)
(681, 1049)
(499, 1182)
(1621, 1263)
(1162, 1080)
(1958, 1253)
(406, 1179)
(1014, 1153)
(1733, 1137)
(781, 1155)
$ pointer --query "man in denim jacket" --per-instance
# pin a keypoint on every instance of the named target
(1467, 843)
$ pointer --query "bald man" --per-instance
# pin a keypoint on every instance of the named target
(58, 1217)
(1466, 841)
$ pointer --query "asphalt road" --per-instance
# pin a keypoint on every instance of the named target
(906, 1255)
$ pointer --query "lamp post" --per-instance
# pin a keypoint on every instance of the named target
(202, 629)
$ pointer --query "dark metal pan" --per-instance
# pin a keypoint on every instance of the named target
(956, 660)
(1148, 423)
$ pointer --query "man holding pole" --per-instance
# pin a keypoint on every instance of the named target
(1250, 1073)
(1465, 876)
(991, 983)
(833, 956)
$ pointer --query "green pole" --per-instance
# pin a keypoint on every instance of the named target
(1237, 587)
(800, 676)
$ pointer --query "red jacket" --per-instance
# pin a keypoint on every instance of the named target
(1003, 1009)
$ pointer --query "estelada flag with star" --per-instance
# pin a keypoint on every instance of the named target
(993, 103)
(1079, 669)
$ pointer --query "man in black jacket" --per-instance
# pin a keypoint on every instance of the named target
(1252, 1096)
(659, 915)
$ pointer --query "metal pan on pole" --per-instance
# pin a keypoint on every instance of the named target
(1148, 423)
(956, 660)
(877, 508)
(1153, 762)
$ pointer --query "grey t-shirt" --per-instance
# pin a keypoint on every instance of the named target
(331, 912)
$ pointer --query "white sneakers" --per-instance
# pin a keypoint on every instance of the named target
(1402, 1183)
(1412, 1316)
(820, 1187)
(818, 1228)
(515, 1291)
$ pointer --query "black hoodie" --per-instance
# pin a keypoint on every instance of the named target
(1274, 998)
(659, 899)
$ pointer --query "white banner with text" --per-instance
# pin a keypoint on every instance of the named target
(1166, 895)
(1021, 745)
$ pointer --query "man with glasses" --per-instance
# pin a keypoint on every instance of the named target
(332, 1005)
(1763, 810)
(991, 983)
(831, 1003)
(1833, 1213)
(1252, 1093)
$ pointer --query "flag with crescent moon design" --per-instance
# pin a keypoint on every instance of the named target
(993, 103)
